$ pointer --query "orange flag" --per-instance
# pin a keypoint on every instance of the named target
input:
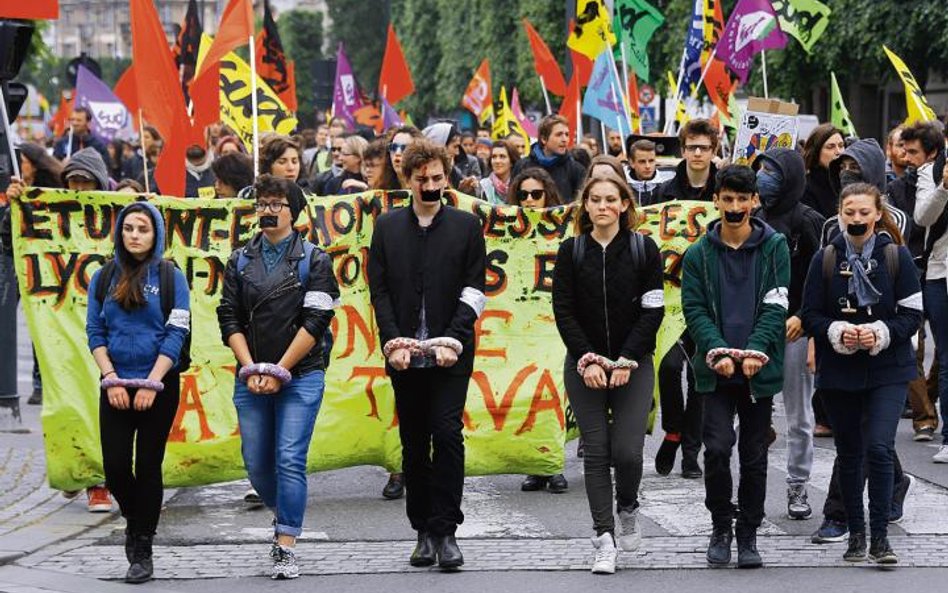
(544, 62)
(717, 80)
(236, 29)
(126, 90)
(395, 81)
(61, 119)
(477, 97)
(633, 96)
(32, 10)
(159, 94)
(570, 107)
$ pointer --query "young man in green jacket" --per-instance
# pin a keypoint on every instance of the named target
(734, 297)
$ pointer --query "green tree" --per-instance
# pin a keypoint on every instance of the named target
(362, 28)
(417, 23)
(301, 32)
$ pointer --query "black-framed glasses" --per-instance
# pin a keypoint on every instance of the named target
(335, 149)
(533, 194)
(397, 147)
(697, 148)
(274, 207)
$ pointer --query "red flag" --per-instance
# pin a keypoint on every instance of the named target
(570, 106)
(544, 62)
(126, 90)
(60, 121)
(236, 29)
(477, 97)
(717, 80)
(581, 64)
(186, 46)
(205, 103)
(395, 81)
(633, 95)
(33, 10)
(159, 94)
(272, 64)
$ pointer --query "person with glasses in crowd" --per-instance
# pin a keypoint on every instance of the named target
(277, 303)
(318, 182)
(401, 139)
(695, 174)
(533, 188)
(351, 180)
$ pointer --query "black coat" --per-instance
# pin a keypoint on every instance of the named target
(441, 266)
(269, 309)
(679, 188)
(607, 306)
(566, 173)
(819, 194)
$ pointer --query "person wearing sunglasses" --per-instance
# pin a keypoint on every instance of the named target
(694, 176)
(319, 182)
(277, 303)
(401, 139)
(351, 180)
(533, 188)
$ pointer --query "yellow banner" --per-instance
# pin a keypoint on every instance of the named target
(592, 31)
(517, 415)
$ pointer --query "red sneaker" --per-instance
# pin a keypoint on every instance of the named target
(100, 501)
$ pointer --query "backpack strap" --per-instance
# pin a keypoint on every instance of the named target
(166, 286)
(105, 281)
(579, 250)
(892, 261)
(304, 263)
(637, 246)
(829, 263)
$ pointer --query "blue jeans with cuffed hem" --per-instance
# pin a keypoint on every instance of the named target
(275, 431)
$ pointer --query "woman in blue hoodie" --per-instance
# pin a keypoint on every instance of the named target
(862, 304)
(137, 349)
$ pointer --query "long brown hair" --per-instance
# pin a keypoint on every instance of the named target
(814, 144)
(129, 291)
(552, 195)
(886, 223)
(627, 221)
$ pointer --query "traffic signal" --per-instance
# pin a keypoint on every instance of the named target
(15, 38)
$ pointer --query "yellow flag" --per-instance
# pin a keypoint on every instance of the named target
(236, 112)
(505, 123)
(592, 31)
(915, 102)
(681, 116)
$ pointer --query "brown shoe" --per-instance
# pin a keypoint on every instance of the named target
(822, 431)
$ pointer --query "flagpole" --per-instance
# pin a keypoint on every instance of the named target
(546, 97)
(579, 122)
(763, 65)
(605, 144)
(6, 127)
(704, 72)
(141, 140)
(625, 82)
(669, 122)
(69, 147)
(253, 107)
(625, 103)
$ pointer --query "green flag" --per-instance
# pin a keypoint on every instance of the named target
(634, 24)
(805, 20)
(839, 115)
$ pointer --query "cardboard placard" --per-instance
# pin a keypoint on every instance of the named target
(765, 124)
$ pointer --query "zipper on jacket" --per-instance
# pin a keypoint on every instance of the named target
(605, 303)
(279, 290)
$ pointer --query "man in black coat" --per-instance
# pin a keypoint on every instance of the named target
(426, 279)
(550, 152)
(694, 176)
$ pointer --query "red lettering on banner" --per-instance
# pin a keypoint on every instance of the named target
(668, 215)
(545, 385)
(190, 401)
(355, 322)
(480, 332)
(499, 412)
(371, 373)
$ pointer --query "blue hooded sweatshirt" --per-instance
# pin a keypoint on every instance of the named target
(135, 338)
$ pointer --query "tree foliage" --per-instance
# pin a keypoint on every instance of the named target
(301, 32)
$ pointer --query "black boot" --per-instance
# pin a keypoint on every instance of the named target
(747, 554)
(881, 552)
(424, 554)
(856, 552)
(689, 466)
(534, 483)
(129, 544)
(141, 568)
(449, 554)
(719, 548)
(665, 458)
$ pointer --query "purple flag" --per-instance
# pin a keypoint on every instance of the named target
(346, 99)
(110, 117)
(390, 117)
(528, 126)
(752, 28)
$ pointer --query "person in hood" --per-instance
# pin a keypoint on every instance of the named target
(465, 169)
(276, 307)
(734, 287)
(551, 152)
(781, 181)
(862, 162)
(862, 310)
(137, 349)
(80, 136)
(644, 175)
(199, 182)
(86, 171)
(695, 174)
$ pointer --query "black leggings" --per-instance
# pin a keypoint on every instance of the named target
(127, 434)
(680, 414)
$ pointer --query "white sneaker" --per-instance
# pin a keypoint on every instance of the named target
(252, 498)
(630, 538)
(606, 554)
(942, 455)
(284, 564)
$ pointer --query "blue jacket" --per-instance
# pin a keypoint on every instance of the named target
(899, 310)
(135, 338)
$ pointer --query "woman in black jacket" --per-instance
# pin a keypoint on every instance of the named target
(608, 302)
(279, 293)
(862, 304)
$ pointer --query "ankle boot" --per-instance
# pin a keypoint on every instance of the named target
(747, 554)
(129, 544)
(141, 568)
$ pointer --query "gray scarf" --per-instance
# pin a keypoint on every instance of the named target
(859, 283)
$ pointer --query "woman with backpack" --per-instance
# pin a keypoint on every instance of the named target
(137, 322)
(276, 307)
(608, 302)
(862, 304)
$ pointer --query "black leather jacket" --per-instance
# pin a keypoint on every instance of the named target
(269, 309)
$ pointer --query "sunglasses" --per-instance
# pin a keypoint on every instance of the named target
(335, 149)
(393, 147)
(533, 194)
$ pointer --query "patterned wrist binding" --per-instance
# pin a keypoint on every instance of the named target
(763, 358)
(156, 386)
(716, 354)
(265, 368)
(417, 348)
(625, 363)
(428, 346)
(607, 365)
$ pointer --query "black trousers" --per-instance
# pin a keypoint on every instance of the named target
(128, 435)
(430, 404)
(834, 508)
(680, 414)
(820, 416)
(719, 439)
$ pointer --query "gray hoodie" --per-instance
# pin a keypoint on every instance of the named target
(89, 160)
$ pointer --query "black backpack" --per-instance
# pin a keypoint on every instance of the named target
(166, 282)
(636, 245)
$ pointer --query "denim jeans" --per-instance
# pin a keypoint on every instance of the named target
(864, 426)
(275, 431)
(936, 307)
